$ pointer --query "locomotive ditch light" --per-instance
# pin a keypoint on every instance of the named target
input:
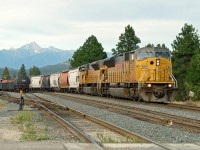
(157, 62)
(149, 85)
(169, 85)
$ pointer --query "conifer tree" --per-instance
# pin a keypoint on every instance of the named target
(89, 52)
(192, 82)
(6, 74)
(158, 45)
(22, 71)
(34, 71)
(127, 41)
(184, 47)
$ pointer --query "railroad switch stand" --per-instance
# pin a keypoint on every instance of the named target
(21, 104)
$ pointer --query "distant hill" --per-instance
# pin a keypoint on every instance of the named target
(55, 68)
(32, 54)
(44, 70)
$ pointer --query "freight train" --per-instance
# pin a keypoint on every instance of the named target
(20, 82)
(142, 74)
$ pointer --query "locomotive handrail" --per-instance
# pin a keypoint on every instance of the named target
(141, 79)
(176, 84)
(174, 79)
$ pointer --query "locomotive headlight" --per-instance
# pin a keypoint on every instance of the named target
(169, 85)
(157, 62)
(149, 85)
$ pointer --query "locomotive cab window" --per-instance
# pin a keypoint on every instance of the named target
(144, 55)
(163, 55)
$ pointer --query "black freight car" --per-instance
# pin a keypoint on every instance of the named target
(45, 82)
(21, 82)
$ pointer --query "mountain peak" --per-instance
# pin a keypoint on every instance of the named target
(31, 46)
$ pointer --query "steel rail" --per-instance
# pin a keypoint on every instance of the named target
(144, 114)
(183, 106)
(83, 137)
(111, 126)
(156, 104)
(115, 128)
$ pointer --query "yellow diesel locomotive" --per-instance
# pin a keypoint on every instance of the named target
(145, 73)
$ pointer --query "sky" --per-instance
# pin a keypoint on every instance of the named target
(66, 24)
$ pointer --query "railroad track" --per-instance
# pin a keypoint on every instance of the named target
(156, 117)
(95, 120)
(158, 104)
(47, 106)
(182, 106)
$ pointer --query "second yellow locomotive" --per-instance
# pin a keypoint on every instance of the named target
(144, 73)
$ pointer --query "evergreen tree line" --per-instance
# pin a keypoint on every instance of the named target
(185, 57)
(186, 62)
(22, 72)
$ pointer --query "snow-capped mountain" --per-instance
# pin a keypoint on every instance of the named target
(31, 46)
(32, 54)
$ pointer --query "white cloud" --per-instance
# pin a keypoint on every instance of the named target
(67, 24)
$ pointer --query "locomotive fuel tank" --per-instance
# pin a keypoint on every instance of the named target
(119, 92)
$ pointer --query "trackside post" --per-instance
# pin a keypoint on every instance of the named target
(21, 104)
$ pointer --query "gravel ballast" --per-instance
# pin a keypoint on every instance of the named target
(157, 133)
(10, 132)
(173, 111)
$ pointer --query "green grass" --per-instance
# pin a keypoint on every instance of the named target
(24, 120)
(105, 138)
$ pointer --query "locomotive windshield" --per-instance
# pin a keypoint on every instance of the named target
(163, 55)
(149, 54)
(144, 55)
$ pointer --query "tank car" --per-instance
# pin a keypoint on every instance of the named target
(145, 73)
(21, 82)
